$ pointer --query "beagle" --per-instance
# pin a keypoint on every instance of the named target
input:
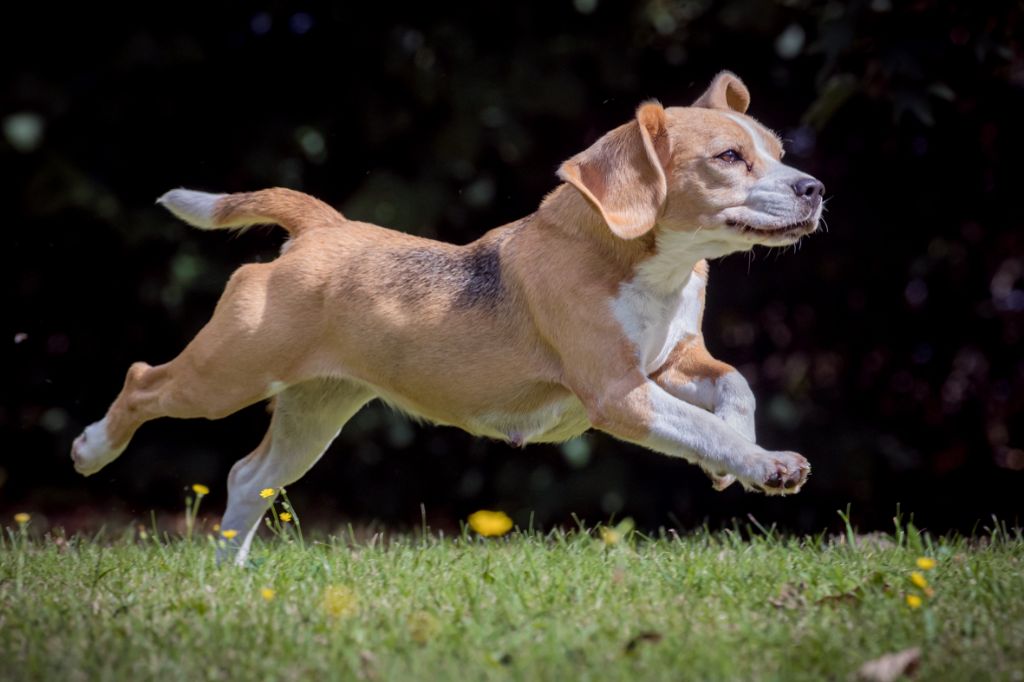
(585, 314)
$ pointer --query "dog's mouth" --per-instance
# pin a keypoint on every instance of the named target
(788, 230)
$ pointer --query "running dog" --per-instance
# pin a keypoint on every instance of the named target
(585, 314)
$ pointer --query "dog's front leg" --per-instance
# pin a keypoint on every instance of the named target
(692, 375)
(645, 413)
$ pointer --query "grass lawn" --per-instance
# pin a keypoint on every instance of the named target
(561, 606)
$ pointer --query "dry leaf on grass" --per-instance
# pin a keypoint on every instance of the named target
(650, 636)
(851, 598)
(790, 597)
(890, 667)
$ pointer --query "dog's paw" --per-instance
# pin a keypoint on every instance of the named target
(91, 451)
(781, 473)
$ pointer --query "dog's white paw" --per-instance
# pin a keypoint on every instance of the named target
(92, 451)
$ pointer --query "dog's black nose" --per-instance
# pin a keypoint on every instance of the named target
(808, 187)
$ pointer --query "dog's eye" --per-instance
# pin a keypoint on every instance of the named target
(730, 156)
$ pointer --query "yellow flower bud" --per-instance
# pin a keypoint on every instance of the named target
(610, 536)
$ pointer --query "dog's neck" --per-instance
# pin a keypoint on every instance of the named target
(676, 254)
(565, 210)
(661, 260)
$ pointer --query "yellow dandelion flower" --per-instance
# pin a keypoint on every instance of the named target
(925, 563)
(610, 536)
(490, 523)
(340, 601)
(229, 533)
(285, 516)
(200, 489)
(913, 601)
(917, 578)
(267, 492)
(267, 593)
(22, 518)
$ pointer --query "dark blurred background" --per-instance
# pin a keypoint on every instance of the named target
(887, 350)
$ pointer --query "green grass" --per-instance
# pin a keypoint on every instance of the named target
(561, 606)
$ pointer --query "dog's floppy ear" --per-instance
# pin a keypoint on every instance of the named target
(726, 91)
(623, 174)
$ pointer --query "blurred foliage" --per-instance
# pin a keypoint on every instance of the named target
(887, 350)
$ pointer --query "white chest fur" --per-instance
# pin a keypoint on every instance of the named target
(656, 321)
(662, 304)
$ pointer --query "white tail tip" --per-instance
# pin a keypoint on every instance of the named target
(195, 208)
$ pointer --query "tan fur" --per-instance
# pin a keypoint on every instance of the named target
(509, 337)
(726, 92)
(691, 361)
(339, 303)
(285, 207)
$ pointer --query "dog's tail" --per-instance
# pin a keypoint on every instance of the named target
(294, 211)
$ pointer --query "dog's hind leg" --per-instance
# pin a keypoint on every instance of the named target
(175, 389)
(247, 352)
(306, 419)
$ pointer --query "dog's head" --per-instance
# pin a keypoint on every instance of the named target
(707, 167)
